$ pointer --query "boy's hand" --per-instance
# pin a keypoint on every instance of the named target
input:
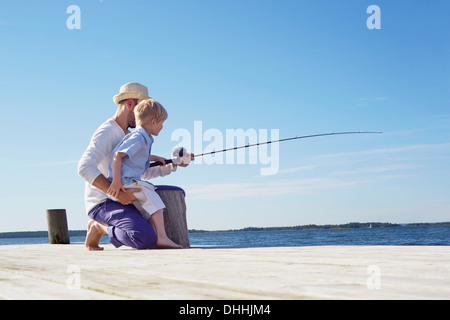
(115, 188)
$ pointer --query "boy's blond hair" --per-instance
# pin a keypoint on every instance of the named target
(149, 109)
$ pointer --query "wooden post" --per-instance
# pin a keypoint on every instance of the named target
(175, 215)
(58, 231)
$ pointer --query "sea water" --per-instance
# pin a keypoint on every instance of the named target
(391, 236)
(395, 236)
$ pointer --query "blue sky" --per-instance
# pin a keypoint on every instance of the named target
(302, 67)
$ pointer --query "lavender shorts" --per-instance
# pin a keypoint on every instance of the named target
(126, 226)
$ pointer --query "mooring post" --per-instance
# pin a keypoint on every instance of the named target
(58, 230)
(175, 214)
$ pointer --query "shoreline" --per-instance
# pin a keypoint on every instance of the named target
(351, 225)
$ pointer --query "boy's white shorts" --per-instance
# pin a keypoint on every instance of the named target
(149, 201)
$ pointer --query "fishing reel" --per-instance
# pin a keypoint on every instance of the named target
(181, 156)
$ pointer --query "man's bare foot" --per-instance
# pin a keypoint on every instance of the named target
(95, 231)
(166, 243)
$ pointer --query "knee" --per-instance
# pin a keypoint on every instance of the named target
(145, 241)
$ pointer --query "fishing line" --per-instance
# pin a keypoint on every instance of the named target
(182, 152)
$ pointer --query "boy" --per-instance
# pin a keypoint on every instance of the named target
(131, 158)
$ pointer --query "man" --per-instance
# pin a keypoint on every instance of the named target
(121, 221)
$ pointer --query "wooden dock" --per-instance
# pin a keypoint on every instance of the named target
(291, 273)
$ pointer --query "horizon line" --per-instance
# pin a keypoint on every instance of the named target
(293, 226)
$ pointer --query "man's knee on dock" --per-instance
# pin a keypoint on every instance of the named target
(144, 241)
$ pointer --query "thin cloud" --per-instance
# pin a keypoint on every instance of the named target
(372, 99)
(51, 164)
(379, 169)
(383, 152)
(7, 24)
(228, 191)
(292, 170)
(388, 163)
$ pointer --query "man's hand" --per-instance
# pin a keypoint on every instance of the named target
(124, 197)
(184, 165)
(127, 197)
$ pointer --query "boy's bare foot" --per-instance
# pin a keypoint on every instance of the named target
(95, 231)
(166, 243)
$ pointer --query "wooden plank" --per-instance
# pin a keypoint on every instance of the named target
(72, 272)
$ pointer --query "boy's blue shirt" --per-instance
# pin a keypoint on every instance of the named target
(138, 146)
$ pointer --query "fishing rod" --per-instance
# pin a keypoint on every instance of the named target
(182, 151)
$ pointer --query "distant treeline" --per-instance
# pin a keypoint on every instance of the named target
(351, 225)
(37, 234)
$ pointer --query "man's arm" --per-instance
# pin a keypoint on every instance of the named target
(124, 198)
(160, 171)
(158, 159)
(88, 166)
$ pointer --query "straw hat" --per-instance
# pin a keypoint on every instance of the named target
(131, 90)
